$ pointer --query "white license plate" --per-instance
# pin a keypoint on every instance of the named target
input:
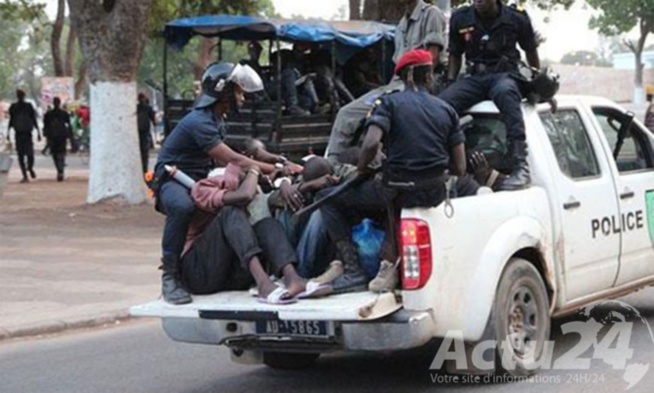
(294, 328)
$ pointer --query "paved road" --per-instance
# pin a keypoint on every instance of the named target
(138, 357)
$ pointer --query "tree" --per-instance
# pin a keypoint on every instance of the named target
(585, 58)
(24, 54)
(355, 9)
(198, 53)
(619, 17)
(111, 35)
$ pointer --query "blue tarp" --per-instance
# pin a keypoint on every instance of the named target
(355, 35)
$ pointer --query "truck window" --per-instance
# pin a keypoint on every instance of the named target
(634, 154)
(569, 139)
(487, 134)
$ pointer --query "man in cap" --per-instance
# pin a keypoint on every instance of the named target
(420, 19)
(192, 147)
(488, 33)
(22, 118)
(422, 140)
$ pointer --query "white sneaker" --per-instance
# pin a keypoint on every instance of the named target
(386, 280)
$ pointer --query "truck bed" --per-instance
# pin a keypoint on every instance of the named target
(240, 305)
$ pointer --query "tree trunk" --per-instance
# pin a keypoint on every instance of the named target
(55, 41)
(80, 83)
(637, 49)
(205, 57)
(389, 11)
(355, 9)
(70, 51)
(111, 35)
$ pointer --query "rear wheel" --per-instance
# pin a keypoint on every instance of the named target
(521, 318)
(289, 360)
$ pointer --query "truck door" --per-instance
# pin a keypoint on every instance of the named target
(587, 204)
(632, 161)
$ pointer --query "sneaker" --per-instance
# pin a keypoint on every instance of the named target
(386, 279)
(334, 271)
(25, 180)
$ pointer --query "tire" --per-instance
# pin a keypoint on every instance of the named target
(522, 308)
(289, 360)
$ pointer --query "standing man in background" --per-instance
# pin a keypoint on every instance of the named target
(57, 130)
(145, 118)
(419, 20)
(22, 118)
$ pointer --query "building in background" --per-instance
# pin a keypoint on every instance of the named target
(625, 61)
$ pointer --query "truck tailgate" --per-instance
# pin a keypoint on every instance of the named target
(360, 306)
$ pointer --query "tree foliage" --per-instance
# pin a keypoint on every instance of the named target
(24, 54)
(585, 58)
(618, 17)
(184, 66)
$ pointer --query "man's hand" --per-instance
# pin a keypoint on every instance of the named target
(293, 168)
(480, 167)
(321, 182)
(292, 198)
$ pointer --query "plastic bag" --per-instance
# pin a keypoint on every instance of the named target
(368, 239)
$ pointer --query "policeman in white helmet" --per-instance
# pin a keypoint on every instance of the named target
(192, 147)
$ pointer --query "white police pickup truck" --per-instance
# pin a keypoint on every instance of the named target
(494, 266)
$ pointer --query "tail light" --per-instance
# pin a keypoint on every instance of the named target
(416, 254)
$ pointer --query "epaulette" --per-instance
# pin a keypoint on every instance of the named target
(392, 91)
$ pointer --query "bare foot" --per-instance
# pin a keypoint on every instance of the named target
(266, 289)
(295, 285)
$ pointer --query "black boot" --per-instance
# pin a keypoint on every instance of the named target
(520, 177)
(171, 288)
(353, 278)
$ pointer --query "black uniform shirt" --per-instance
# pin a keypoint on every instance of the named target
(188, 144)
(419, 130)
(22, 117)
(486, 44)
(56, 124)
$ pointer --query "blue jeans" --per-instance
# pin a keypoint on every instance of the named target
(313, 250)
(176, 203)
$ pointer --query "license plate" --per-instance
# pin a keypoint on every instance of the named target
(294, 328)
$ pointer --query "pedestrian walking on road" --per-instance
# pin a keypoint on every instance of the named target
(145, 118)
(22, 118)
(57, 130)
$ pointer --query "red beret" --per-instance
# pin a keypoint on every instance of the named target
(416, 57)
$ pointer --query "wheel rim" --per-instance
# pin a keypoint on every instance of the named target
(523, 321)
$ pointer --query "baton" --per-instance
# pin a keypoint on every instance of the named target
(181, 177)
(336, 191)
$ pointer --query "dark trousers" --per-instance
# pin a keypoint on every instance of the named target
(25, 151)
(58, 151)
(218, 260)
(144, 147)
(176, 203)
(499, 87)
(368, 199)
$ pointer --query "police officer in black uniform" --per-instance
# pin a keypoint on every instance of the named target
(488, 34)
(192, 147)
(422, 140)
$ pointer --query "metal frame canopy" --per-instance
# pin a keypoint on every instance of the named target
(354, 34)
